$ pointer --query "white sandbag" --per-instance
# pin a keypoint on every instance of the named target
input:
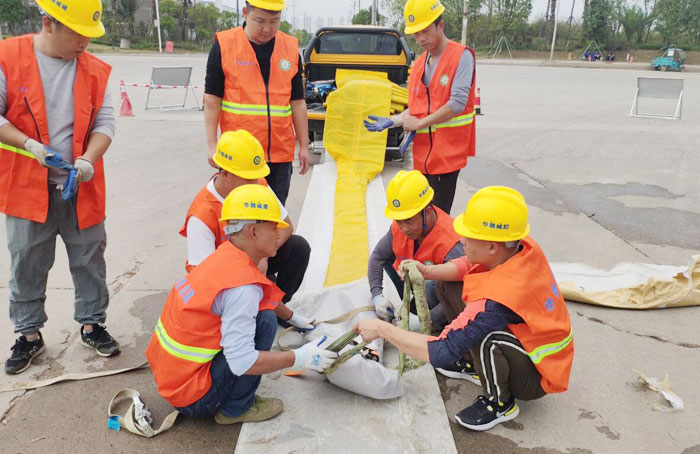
(359, 375)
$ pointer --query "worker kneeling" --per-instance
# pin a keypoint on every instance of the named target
(420, 231)
(515, 323)
(212, 340)
(240, 159)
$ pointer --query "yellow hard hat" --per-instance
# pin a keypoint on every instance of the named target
(240, 153)
(81, 16)
(270, 5)
(252, 202)
(419, 14)
(494, 213)
(407, 194)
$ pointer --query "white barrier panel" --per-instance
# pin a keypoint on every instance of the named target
(652, 87)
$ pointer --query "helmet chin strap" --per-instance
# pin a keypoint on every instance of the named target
(425, 223)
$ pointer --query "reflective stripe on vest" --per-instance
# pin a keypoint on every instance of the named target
(255, 109)
(541, 352)
(182, 351)
(459, 120)
(7, 147)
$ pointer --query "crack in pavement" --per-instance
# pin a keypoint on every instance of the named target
(120, 281)
(649, 336)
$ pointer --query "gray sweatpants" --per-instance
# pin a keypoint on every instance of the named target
(32, 248)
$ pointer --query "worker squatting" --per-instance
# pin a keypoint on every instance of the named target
(499, 318)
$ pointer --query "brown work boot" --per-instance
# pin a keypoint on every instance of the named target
(262, 410)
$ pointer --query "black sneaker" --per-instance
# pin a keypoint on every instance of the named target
(100, 340)
(462, 369)
(23, 352)
(485, 413)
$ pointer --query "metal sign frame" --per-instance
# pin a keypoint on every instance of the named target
(656, 87)
(174, 76)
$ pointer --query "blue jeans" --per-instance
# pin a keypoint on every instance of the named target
(232, 394)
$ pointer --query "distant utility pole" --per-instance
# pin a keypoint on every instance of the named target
(465, 22)
(294, 13)
(374, 12)
(554, 33)
(238, 14)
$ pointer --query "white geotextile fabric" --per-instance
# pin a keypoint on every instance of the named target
(361, 376)
(622, 275)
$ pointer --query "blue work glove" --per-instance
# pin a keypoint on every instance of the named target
(54, 159)
(70, 187)
(408, 138)
(379, 124)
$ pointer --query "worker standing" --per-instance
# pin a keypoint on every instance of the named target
(440, 102)
(211, 343)
(254, 82)
(419, 231)
(53, 93)
(239, 157)
(515, 323)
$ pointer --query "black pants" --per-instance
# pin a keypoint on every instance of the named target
(444, 186)
(290, 265)
(279, 179)
(504, 367)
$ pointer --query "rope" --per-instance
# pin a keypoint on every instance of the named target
(19, 386)
(413, 282)
(332, 321)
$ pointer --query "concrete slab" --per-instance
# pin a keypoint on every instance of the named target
(603, 187)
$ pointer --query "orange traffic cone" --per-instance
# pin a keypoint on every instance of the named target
(477, 102)
(126, 106)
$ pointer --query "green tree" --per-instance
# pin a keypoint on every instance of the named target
(596, 21)
(204, 20)
(303, 36)
(171, 18)
(512, 13)
(125, 12)
(635, 22)
(364, 17)
(673, 17)
(12, 13)
(227, 20)
(286, 27)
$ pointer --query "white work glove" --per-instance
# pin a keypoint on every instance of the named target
(301, 322)
(38, 150)
(85, 169)
(383, 307)
(313, 356)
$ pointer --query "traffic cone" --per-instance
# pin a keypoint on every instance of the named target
(477, 102)
(126, 106)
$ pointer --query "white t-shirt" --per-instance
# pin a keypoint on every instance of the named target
(201, 241)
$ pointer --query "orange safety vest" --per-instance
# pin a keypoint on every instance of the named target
(188, 335)
(207, 208)
(23, 182)
(263, 110)
(444, 147)
(525, 284)
(436, 245)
